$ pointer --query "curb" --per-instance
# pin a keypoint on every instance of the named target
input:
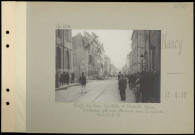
(75, 84)
(65, 87)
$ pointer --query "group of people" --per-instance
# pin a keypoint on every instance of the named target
(64, 78)
(146, 86)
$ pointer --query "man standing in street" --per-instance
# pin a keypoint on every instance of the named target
(67, 78)
(122, 86)
(61, 79)
(129, 81)
(119, 75)
(72, 77)
(57, 80)
(82, 81)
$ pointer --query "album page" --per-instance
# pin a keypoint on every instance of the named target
(101, 67)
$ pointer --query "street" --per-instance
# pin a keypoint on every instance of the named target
(97, 91)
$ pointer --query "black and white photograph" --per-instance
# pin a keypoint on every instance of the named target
(115, 66)
(97, 67)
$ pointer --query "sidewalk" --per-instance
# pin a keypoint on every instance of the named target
(64, 87)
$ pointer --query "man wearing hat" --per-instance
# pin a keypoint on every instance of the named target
(122, 86)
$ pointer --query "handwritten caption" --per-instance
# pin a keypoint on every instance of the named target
(116, 110)
(181, 5)
(176, 94)
(62, 26)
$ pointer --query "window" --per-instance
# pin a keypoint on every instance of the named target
(153, 59)
(68, 59)
(67, 35)
(90, 59)
(58, 58)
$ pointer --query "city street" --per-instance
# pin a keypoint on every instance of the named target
(98, 91)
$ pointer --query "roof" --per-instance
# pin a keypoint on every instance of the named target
(89, 36)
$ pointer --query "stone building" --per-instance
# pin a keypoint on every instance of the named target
(112, 70)
(153, 52)
(64, 52)
(95, 53)
(145, 54)
(80, 56)
(130, 62)
(138, 48)
(88, 55)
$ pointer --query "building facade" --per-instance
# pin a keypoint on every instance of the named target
(89, 55)
(80, 56)
(145, 54)
(64, 51)
(130, 62)
(138, 48)
(154, 47)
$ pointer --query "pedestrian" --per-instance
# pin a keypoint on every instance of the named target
(137, 88)
(119, 75)
(122, 86)
(133, 82)
(143, 86)
(82, 81)
(129, 81)
(72, 77)
(57, 80)
(60, 79)
(63, 78)
(67, 78)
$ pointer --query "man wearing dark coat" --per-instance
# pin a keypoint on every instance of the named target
(63, 78)
(119, 75)
(129, 81)
(57, 80)
(143, 86)
(72, 77)
(67, 78)
(122, 86)
(82, 81)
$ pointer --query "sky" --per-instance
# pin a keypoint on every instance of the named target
(117, 44)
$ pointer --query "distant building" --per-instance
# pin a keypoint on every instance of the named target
(113, 70)
(107, 64)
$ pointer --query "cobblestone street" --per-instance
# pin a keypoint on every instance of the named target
(97, 91)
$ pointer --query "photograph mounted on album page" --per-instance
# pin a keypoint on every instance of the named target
(82, 67)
